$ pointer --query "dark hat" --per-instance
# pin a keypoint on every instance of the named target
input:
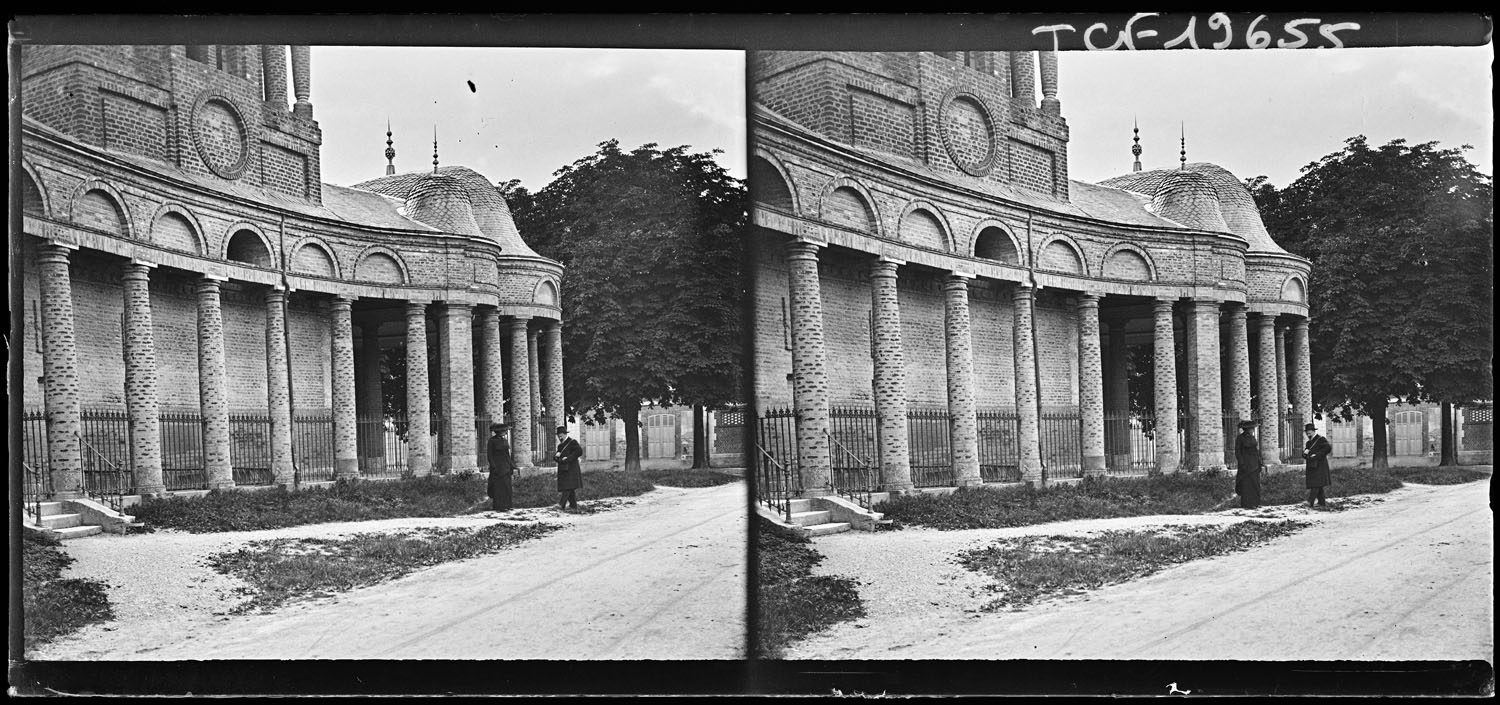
(1310, 427)
(499, 425)
(562, 429)
(1249, 424)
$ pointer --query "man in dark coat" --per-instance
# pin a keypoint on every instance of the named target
(502, 466)
(569, 474)
(1249, 466)
(1316, 453)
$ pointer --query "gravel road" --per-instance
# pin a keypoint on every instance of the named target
(660, 576)
(1403, 576)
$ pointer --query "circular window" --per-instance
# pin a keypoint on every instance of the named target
(219, 134)
(968, 132)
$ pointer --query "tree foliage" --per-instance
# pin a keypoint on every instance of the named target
(1401, 238)
(652, 291)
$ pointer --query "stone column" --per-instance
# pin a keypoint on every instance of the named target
(1300, 364)
(1090, 384)
(1188, 419)
(1270, 402)
(418, 401)
(809, 369)
(142, 403)
(60, 369)
(457, 405)
(278, 388)
(370, 406)
(551, 343)
(301, 81)
(1029, 438)
(959, 341)
(1023, 77)
(1239, 353)
(1167, 458)
(273, 66)
(520, 392)
(1283, 397)
(1209, 439)
(1050, 103)
(533, 357)
(494, 365)
(890, 377)
(1118, 434)
(345, 431)
(214, 386)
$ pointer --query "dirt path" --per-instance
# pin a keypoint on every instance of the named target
(660, 577)
(1404, 576)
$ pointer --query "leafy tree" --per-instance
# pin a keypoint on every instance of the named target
(1401, 238)
(652, 293)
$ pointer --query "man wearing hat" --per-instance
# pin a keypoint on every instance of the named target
(1316, 452)
(502, 466)
(1249, 466)
(569, 474)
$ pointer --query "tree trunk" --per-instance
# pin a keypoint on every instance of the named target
(1380, 445)
(700, 437)
(1449, 443)
(631, 415)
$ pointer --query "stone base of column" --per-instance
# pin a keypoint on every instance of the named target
(1094, 465)
(815, 492)
(898, 488)
(151, 490)
(1119, 460)
(969, 482)
(282, 473)
(1168, 463)
(458, 464)
(67, 495)
(375, 464)
(221, 485)
(1270, 456)
(1031, 473)
(419, 465)
(345, 468)
(1207, 462)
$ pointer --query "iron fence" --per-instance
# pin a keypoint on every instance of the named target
(37, 484)
(182, 459)
(776, 436)
(34, 439)
(1061, 432)
(1133, 450)
(929, 434)
(856, 430)
(104, 480)
(1292, 440)
(250, 449)
(312, 446)
(999, 445)
(776, 483)
(107, 433)
(851, 475)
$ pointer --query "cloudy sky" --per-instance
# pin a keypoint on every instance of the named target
(531, 111)
(1270, 112)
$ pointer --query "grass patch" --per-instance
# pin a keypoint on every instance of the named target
(1033, 568)
(283, 570)
(53, 605)
(1104, 498)
(688, 477)
(541, 490)
(793, 602)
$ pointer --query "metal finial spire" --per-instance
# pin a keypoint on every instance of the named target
(434, 149)
(1136, 148)
(1183, 153)
(390, 151)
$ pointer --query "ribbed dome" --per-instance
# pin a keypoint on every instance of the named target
(1236, 207)
(442, 201)
(487, 207)
(1189, 198)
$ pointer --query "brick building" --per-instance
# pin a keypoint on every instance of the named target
(938, 304)
(202, 312)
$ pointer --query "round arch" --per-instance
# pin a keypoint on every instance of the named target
(1296, 286)
(361, 263)
(781, 171)
(111, 193)
(195, 228)
(314, 243)
(839, 182)
(34, 180)
(1065, 241)
(974, 246)
(547, 293)
(1133, 249)
(945, 231)
(232, 241)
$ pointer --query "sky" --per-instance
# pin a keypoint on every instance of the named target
(1270, 112)
(531, 111)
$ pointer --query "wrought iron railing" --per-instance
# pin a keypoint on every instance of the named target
(1061, 441)
(103, 480)
(775, 484)
(850, 475)
(38, 485)
(250, 449)
(929, 438)
(999, 445)
(182, 459)
(312, 446)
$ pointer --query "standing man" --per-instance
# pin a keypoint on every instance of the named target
(501, 468)
(1249, 466)
(569, 473)
(1315, 452)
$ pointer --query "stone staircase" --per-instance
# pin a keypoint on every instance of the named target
(72, 519)
(822, 516)
(815, 521)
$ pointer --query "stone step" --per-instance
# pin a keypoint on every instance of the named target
(61, 521)
(801, 505)
(50, 508)
(825, 529)
(811, 517)
(76, 532)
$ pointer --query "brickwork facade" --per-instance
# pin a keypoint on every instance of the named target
(203, 263)
(890, 377)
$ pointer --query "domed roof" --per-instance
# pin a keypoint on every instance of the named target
(486, 208)
(1183, 194)
(442, 201)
